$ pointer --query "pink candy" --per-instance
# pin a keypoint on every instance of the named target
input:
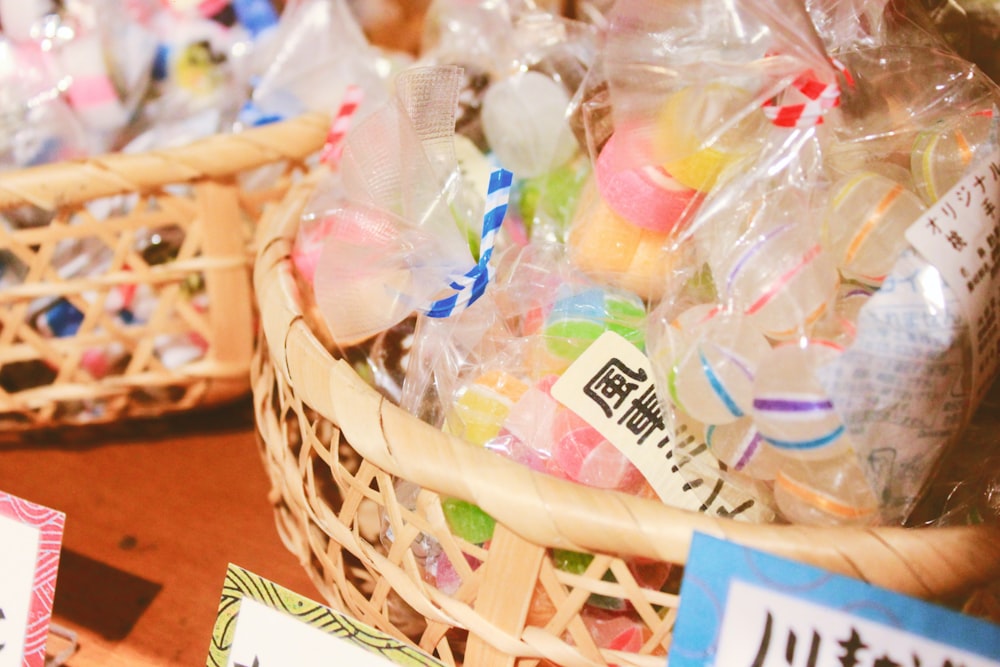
(587, 457)
(647, 196)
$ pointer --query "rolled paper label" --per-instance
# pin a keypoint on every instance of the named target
(31, 536)
(742, 606)
(960, 236)
(262, 624)
(611, 387)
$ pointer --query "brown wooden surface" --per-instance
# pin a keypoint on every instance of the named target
(155, 512)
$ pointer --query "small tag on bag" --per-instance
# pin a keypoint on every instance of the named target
(611, 387)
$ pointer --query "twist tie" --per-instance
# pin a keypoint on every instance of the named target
(469, 286)
(820, 98)
(334, 145)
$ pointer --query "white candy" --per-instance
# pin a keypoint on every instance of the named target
(791, 409)
(712, 376)
(781, 279)
(524, 118)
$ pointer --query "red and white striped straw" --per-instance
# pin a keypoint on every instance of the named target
(334, 145)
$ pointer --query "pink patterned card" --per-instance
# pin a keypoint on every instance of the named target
(31, 537)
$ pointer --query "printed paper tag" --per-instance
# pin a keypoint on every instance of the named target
(30, 542)
(960, 236)
(262, 624)
(740, 606)
(611, 387)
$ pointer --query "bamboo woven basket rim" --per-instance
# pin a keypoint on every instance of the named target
(51, 186)
(928, 562)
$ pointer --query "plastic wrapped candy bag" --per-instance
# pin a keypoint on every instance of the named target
(97, 54)
(403, 239)
(522, 65)
(922, 355)
(206, 56)
(829, 249)
(489, 374)
(325, 64)
(320, 51)
(38, 125)
(671, 110)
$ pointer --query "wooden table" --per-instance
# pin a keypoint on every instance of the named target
(154, 514)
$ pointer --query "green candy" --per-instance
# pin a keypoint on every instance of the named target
(548, 201)
(579, 318)
(573, 562)
(467, 521)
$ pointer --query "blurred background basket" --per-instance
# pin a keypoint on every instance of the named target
(91, 251)
(336, 450)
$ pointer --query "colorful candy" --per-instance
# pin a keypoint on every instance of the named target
(587, 457)
(526, 434)
(644, 194)
(866, 222)
(524, 120)
(580, 314)
(703, 129)
(780, 278)
(712, 376)
(546, 203)
(791, 409)
(467, 521)
(483, 405)
(740, 446)
(943, 153)
(608, 247)
(827, 492)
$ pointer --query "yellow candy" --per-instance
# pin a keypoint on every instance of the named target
(611, 249)
(692, 140)
(483, 406)
(942, 154)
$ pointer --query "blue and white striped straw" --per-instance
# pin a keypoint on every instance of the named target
(471, 285)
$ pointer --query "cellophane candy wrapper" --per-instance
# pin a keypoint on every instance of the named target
(207, 55)
(318, 51)
(803, 326)
(522, 66)
(64, 94)
(401, 235)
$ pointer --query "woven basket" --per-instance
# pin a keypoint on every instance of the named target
(201, 192)
(333, 447)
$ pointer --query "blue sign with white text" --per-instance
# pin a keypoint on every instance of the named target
(744, 608)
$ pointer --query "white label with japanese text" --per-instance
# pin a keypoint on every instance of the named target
(266, 637)
(18, 558)
(764, 628)
(611, 387)
(960, 236)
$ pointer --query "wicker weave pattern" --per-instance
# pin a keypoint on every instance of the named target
(201, 191)
(335, 448)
